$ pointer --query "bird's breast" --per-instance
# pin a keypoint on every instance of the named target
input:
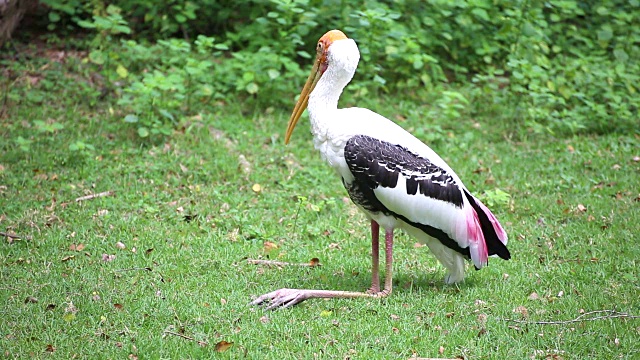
(331, 149)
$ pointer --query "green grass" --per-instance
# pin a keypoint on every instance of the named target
(199, 284)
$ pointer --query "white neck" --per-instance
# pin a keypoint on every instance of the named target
(343, 60)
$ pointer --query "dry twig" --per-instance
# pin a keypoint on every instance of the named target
(134, 269)
(201, 343)
(12, 236)
(93, 196)
(610, 314)
(314, 262)
(141, 268)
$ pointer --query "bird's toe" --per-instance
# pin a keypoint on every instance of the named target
(282, 298)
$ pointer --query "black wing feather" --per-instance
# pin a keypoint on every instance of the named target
(494, 245)
(380, 163)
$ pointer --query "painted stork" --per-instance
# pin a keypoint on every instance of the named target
(394, 178)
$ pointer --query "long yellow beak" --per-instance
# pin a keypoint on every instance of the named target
(303, 100)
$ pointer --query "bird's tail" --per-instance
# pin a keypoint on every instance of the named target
(487, 237)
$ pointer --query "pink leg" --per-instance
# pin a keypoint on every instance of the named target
(285, 298)
(288, 297)
(375, 258)
(388, 251)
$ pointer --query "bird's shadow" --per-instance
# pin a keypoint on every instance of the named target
(351, 279)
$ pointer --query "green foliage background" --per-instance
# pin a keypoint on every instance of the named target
(560, 66)
(177, 110)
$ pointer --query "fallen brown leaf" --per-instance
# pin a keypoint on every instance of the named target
(67, 258)
(76, 247)
(118, 306)
(223, 346)
(314, 262)
(244, 165)
(71, 308)
(522, 311)
(268, 246)
(482, 318)
(107, 257)
(50, 348)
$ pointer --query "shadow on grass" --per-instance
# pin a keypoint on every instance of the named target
(320, 279)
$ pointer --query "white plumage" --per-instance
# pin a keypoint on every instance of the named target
(393, 177)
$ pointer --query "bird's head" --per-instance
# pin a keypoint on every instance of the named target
(325, 56)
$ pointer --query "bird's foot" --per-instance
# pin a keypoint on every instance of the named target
(380, 293)
(285, 298)
(282, 298)
(451, 279)
(373, 290)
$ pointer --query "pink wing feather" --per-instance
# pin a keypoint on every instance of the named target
(486, 235)
(477, 243)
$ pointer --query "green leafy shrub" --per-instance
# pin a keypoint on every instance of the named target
(180, 78)
(575, 75)
(562, 66)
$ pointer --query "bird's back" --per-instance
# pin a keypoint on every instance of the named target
(399, 181)
(354, 121)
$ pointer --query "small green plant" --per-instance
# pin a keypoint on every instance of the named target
(108, 24)
(47, 127)
(180, 78)
(449, 106)
(81, 147)
(495, 197)
(23, 144)
(64, 13)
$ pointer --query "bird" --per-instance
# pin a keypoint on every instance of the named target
(391, 176)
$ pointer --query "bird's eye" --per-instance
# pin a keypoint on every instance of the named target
(319, 47)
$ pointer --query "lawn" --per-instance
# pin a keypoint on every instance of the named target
(157, 267)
